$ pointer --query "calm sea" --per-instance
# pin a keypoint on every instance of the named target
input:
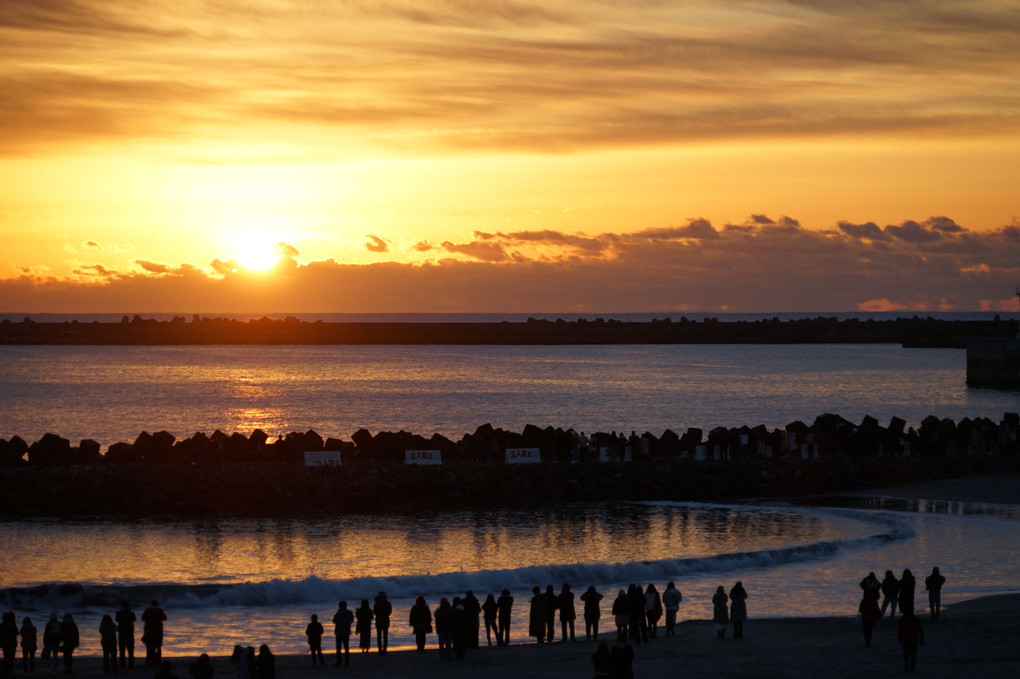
(253, 582)
(112, 394)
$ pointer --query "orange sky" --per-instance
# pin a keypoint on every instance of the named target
(472, 155)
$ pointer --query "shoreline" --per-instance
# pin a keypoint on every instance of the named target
(974, 638)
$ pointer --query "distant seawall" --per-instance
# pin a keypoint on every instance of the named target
(911, 332)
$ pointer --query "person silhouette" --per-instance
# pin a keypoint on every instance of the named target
(9, 641)
(720, 612)
(503, 617)
(202, 668)
(891, 594)
(29, 645)
(363, 627)
(420, 620)
(382, 610)
(153, 618)
(565, 601)
(265, 664)
(108, 643)
(910, 632)
(490, 613)
(69, 640)
(342, 621)
(907, 587)
(536, 619)
(933, 583)
(592, 613)
(738, 609)
(125, 619)
(671, 599)
(314, 632)
(870, 613)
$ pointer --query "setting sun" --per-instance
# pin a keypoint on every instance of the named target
(257, 257)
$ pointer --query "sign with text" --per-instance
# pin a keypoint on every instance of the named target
(523, 455)
(322, 458)
(423, 457)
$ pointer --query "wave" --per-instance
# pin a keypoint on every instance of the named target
(315, 590)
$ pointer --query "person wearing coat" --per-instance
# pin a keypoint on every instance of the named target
(933, 583)
(420, 620)
(592, 613)
(621, 616)
(671, 599)
(363, 627)
(69, 641)
(108, 642)
(870, 613)
(29, 645)
(720, 612)
(503, 616)
(891, 593)
(738, 609)
(567, 613)
(907, 586)
(653, 609)
(536, 619)
(490, 612)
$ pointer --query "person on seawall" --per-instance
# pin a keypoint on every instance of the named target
(671, 599)
(342, 621)
(153, 618)
(506, 604)
(382, 610)
(108, 642)
(490, 613)
(363, 627)
(567, 613)
(720, 612)
(891, 594)
(420, 620)
(314, 632)
(29, 645)
(933, 583)
(592, 613)
(738, 609)
(125, 620)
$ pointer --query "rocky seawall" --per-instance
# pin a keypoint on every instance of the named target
(250, 476)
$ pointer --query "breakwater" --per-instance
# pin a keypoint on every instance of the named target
(237, 475)
(912, 332)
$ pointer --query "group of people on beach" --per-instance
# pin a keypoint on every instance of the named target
(60, 638)
(899, 592)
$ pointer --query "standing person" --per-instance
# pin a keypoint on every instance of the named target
(202, 668)
(870, 613)
(567, 613)
(621, 616)
(420, 620)
(490, 612)
(51, 643)
(460, 627)
(152, 633)
(890, 593)
(653, 609)
(933, 583)
(671, 599)
(738, 609)
(314, 632)
(125, 620)
(473, 610)
(108, 642)
(536, 619)
(636, 614)
(342, 621)
(871, 586)
(364, 626)
(444, 629)
(720, 612)
(506, 605)
(552, 602)
(240, 662)
(265, 664)
(907, 587)
(382, 609)
(9, 641)
(910, 632)
(29, 645)
(592, 613)
(69, 640)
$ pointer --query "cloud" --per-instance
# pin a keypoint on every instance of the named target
(92, 245)
(287, 250)
(376, 244)
(760, 265)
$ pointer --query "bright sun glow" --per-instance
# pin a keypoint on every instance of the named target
(257, 255)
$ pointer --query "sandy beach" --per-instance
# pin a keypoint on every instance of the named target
(972, 639)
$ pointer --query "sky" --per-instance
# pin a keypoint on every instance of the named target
(314, 156)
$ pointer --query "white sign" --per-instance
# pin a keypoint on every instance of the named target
(523, 455)
(324, 458)
(423, 457)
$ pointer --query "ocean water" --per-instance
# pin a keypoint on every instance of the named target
(258, 581)
(112, 394)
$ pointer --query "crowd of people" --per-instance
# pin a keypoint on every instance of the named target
(458, 624)
(899, 592)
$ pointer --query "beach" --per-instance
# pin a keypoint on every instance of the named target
(973, 638)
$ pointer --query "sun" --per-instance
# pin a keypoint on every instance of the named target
(256, 255)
